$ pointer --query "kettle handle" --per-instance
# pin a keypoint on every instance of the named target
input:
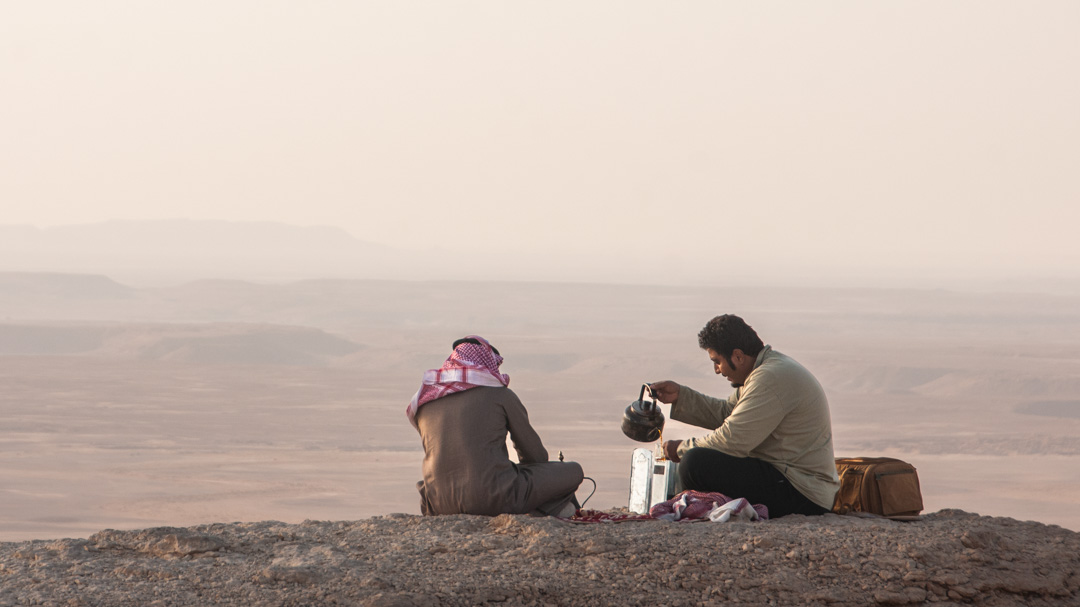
(641, 397)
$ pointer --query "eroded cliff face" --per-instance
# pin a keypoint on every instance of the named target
(403, 560)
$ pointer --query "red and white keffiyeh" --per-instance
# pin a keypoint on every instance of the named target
(470, 366)
(701, 505)
(686, 507)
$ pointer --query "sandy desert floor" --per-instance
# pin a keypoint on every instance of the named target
(150, 426)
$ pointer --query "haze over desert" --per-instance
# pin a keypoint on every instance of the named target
(223, 401)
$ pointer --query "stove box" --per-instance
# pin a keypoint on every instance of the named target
(651, 481)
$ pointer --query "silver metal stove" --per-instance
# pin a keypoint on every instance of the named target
(651, 481)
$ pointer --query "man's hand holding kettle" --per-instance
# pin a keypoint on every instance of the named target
(665, 391)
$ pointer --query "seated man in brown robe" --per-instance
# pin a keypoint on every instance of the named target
(463, 412)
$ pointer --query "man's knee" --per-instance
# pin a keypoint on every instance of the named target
(561, 477)
(578, 470)
(704, 469)
(574, 472)
(690, 466)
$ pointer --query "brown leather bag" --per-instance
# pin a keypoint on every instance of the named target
(877, 485)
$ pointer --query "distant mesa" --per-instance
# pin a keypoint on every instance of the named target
(1052, 408)
(267, 345)
(214, 343)
(48, 340)
(56, 285)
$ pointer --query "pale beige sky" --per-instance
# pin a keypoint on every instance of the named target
(779, 138)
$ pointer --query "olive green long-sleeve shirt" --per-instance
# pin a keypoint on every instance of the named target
(780, 415)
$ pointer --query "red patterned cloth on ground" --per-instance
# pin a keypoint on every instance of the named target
(695, 505)
(688, 506)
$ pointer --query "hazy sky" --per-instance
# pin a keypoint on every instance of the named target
(719, 137)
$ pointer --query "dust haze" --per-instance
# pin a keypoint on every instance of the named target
(226, 400)
(927, 144)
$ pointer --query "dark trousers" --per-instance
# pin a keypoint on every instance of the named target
(759, 482)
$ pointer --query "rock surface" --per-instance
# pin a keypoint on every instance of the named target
(950, 557)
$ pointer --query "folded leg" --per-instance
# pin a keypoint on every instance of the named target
(548, 486)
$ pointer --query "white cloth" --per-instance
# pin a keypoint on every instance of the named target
(737, 509)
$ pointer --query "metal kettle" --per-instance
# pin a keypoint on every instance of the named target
(643, 421)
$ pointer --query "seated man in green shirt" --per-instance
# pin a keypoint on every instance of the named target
(771, 441)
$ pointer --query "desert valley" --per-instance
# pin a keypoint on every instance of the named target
(220, 401)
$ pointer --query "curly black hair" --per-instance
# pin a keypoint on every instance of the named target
(727, 333)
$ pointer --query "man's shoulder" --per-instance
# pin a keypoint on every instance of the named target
(496, 391)
(502, 395)
(789, 381)
(777, 360)
(777, 365)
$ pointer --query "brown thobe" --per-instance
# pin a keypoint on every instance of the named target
(467, 469)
